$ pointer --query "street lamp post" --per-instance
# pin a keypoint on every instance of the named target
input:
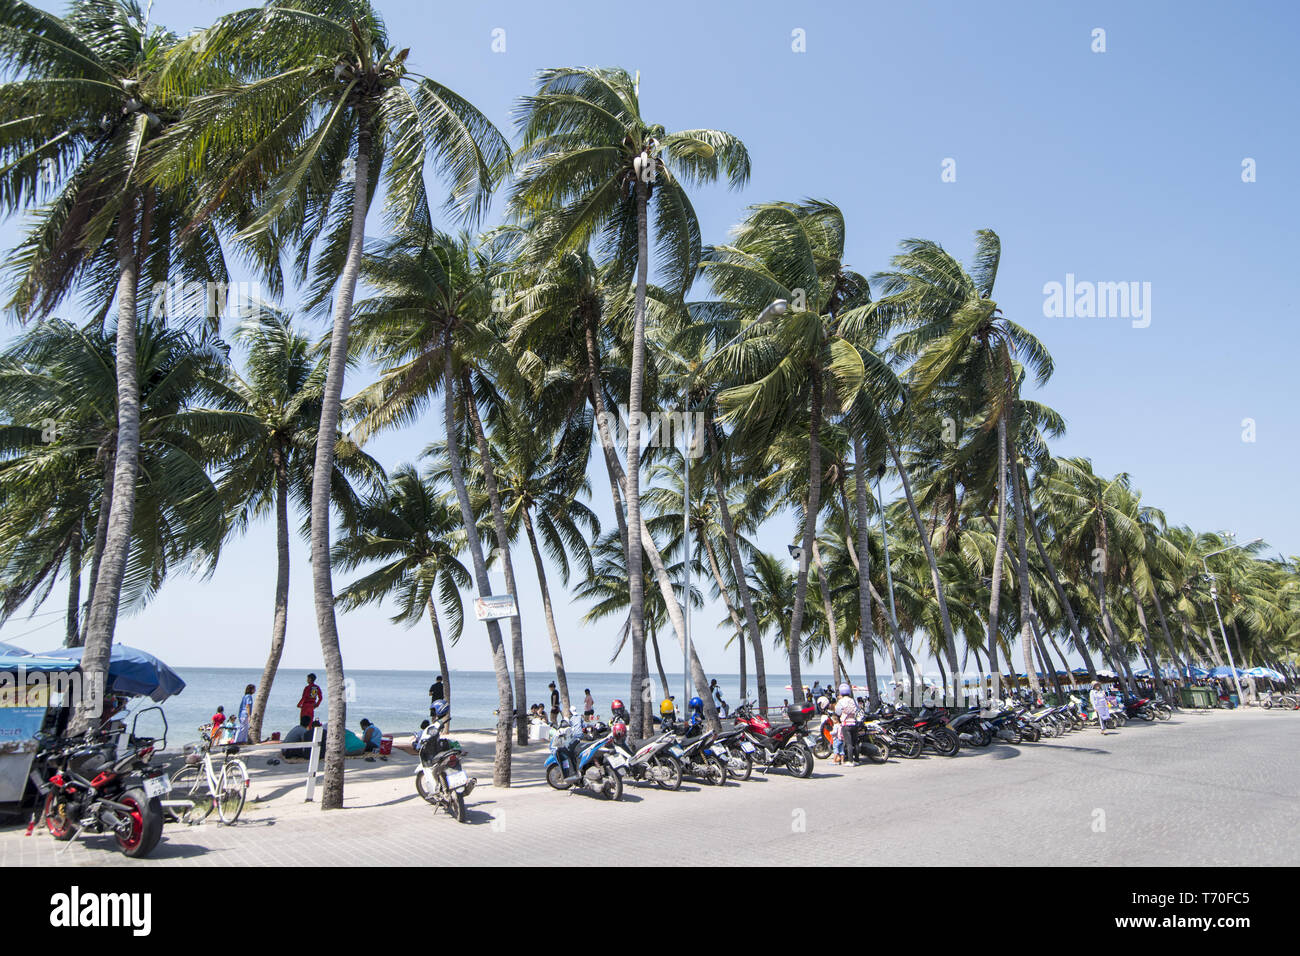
(1214, 596)
(777, 307)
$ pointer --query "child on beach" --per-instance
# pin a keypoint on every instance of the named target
(837, 739)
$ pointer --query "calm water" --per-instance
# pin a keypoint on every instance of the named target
(396, 701)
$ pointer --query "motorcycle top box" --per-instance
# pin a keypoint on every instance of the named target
(800, 713)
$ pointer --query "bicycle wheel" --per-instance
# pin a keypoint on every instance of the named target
(232, 789)
(191, 783)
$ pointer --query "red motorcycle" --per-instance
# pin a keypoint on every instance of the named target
(89, 788)
(788, 746)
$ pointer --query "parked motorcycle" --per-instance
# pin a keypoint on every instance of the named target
(657, 761)
(88, 788)
(971, 729)
(740, 753)
(440, 779)
(702, 757)
(789, 746)
(599, 765)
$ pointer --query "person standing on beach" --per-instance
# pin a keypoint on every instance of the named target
(588, 704)
(245, 714)
(436, 693)
(555, 705)
(310, 700)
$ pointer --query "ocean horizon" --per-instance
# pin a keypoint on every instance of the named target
(397, 700)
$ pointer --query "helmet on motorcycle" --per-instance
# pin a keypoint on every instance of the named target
(618, 729)
(697, 704)
(616, 705)
(440, 709)
(846, 690)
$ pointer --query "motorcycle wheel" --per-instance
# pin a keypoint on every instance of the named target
(672, 772)
(882, 752)
(611, 788)
(1164, 713)
(746, 763)
(1047, 729)
(983, 737)
(800, 761)
(454, 804)
(1015, 736)
(428, 795)
(555, 777)
(823, 750)
(1148, 715)
(146, 824)
(56, 819)
(945, 742)
(909, 743)
(714, 771)
(1031, 734)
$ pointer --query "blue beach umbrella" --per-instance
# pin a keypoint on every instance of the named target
(132, 671)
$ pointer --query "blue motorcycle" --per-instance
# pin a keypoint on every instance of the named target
(600, 766)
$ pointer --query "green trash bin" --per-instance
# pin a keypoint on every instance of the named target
(1199, 697)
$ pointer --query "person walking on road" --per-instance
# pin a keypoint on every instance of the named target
(1099, 703)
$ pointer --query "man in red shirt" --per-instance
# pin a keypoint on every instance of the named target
(310, 699)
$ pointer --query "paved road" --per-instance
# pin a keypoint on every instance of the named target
(1203, 789)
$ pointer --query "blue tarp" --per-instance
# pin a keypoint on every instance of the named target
(1265, 672)
(9, 650)
(133, 671)
(1223, 670)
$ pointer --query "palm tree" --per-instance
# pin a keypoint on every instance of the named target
(416, 534)
(431, 317)
(956, 336)
(86, 111)
(806, 362)
(539, 489)
(276, 403)
(291, 153)
(590, 163)
(58, 393)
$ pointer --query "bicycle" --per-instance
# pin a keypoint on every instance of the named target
(209, 788)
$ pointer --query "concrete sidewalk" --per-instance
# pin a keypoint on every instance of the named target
(1206, 788)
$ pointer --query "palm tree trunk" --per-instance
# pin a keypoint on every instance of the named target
(505, 705)
(865, 632)
(995, 598)
(323, 471)
(659, 661)
(73, 632)
(950, 642)
(607, 445)
(279, 622)
(1184, 678)
(726, 600)
(737, 566)
(794, 640)
(1026, 599)
(841, 674)
(561, 678)
(101, 538)
(126, 468)
(503, 548)
(443, 669)
(632, 487)
(1079, 644)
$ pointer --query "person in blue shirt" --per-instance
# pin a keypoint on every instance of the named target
(371, 736)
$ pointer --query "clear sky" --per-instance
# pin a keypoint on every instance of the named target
(1117, 166)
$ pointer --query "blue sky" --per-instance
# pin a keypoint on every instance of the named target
(1116, 166)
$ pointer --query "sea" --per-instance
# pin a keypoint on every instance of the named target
(397, 700)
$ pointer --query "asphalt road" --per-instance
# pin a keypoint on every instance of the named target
(1204, 789)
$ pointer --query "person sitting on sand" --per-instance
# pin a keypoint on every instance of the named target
(296, 734)
(371, 737)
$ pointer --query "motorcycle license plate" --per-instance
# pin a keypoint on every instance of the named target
(719, 752)
(457, 778)
(746, 746)
(617, 760)
(810, 740)
(156, 786)
(676, 751)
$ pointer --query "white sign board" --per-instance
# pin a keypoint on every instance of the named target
(493, 607)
